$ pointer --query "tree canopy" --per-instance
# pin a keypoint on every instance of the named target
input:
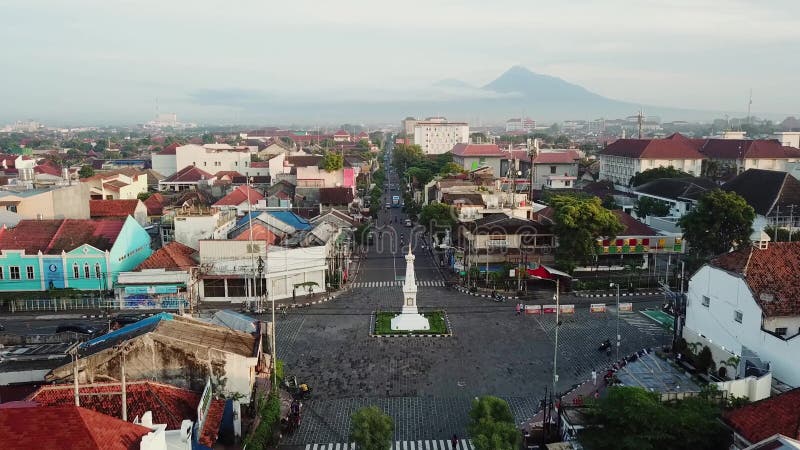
(657, 173)
(332, 161)
(86, 171)
(631, 418)
(437, 216)
(371, 429)
(491, 425)
(649, 206)
(720, 221)
(579, 221)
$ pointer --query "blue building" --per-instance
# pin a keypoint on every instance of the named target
(38, 255)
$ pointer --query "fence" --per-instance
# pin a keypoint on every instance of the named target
(61, 304)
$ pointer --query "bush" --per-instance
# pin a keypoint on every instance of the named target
(704, 360)
(269, 413)
(492, 425)
(371, 429)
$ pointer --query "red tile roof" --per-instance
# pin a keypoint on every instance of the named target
(260, 233)
(746, 148)
(336, 196)
(652, 149)
(48, 170)
(66, 427)
(567, 157)
(113, 208)
(54, 236)
(170, 405)
(239, 196)
(341, 133)
(773, 275)
(304, 160)
(633, 227)
(227, 173)
(133, 173)
(173, 256)
(774, 415)
(155, 204)
(259, 164)
(169, 150)
(478, 150)
(189, 174)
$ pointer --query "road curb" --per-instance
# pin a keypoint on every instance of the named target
(481, 295)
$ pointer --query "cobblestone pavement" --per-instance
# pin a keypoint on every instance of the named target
(426, 384)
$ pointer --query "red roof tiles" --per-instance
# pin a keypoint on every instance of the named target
(260, 233)
(478, 150)
(774, 271)
(169, 150)
(54, 236)
(239, 196)
(746, 148)
(633, 227)
(170, 405)
(66, 427)
(189, 174)
(113, 208)
(173, 256)
(230, 174)
(652, 149)
(155, 204)
(336, 196)
(47, 169)
(774, 415)
(567, 157)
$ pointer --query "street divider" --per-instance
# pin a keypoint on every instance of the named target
(533, 309)
(549, 309)
(627, 307)
(567, 309)
(597, 307)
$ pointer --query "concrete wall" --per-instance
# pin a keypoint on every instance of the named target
(751, 388)
(541, 173)
(166, 165)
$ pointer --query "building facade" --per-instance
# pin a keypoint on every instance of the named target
(436, 135)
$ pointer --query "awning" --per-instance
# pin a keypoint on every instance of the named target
(547, 273)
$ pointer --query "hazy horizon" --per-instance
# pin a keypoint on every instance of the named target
(94, 61)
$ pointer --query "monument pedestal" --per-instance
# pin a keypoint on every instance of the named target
(410, 322)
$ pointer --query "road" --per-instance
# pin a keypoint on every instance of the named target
(426, 384)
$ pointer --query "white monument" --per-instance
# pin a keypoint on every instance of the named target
(410, 318)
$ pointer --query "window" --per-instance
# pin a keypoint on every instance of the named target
(29, 272)
(780, 331)
(737, 316)
(214, 287)
(706, 301)
(205, 163)
(75, 271)
(2, 274)
(552, 170)
(97, 272)
(14, 271)
(566, 183)
(86, 272)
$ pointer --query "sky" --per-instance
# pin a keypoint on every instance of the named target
(115, 61)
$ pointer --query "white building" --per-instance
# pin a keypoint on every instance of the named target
(436, 135)
(209, 157)
(192, 226)
(525, 124)
(625, 158)
(787, 138)
(746, 305)
(555, 169)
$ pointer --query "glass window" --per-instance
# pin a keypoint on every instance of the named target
(214, 288)
(706, 301)
(75, 271)
(97, 272)
(14, 271)
(2, 274)
(86, 272)
(552, 170)
(737, 316)
(780, 331)
(29, 272)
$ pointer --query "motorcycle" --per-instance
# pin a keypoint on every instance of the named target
(605, 345)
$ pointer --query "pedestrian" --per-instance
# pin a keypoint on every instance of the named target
(454, 441)
(596, 395)
(519, 307)
(594, 377)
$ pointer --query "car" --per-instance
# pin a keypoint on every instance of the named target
(408, 223)
(77, 328)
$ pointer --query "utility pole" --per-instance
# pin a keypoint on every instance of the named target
(124, 389)
(555, 345)
(75, 376)
(640, 119)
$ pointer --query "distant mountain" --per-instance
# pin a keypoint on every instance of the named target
(517, 91)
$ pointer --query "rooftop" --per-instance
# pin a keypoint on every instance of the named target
(567, 157)
(66, 427)
(173, 256)
(677, 188)
(632, 227)
(670, 148)
(773, 275)
(54, 236)
(774, 415)
(240, 195)
(478, 150)
(765, 190)
(189, 174)
(113, 208)
(336, 196)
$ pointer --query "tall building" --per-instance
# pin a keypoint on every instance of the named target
(435, 135)
(526, 124)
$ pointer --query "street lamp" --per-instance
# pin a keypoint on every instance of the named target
(618, 336)
(555, 349)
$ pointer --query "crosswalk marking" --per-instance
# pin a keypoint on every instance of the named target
(431, 444)
(389, 284)
(641, 322)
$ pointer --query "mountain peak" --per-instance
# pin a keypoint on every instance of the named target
(536, 86)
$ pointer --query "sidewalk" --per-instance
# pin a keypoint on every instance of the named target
(580, 395)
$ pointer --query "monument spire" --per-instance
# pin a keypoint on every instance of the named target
(409, 317)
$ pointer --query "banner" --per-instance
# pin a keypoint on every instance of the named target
(597, 307)
(626, 306)
(533, 309)
(567, 309)
(549, 309)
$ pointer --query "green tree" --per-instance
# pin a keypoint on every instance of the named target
(578, 222)
(720, 221)
(649, 206)
(449, 168)
(363, 144)
(371, 429)
(405, 156)
(143, 195)
(631, 418)
(86, 171)
(437, 216)
(419, 175)
(491, 425)
(657, 173)
(704, 360)
(208, 138)
(332, 161)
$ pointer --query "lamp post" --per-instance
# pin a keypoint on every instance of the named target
(555, 349)
(618, 336)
